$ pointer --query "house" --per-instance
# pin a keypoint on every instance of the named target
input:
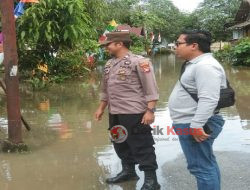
(138, 31)
(241, 28)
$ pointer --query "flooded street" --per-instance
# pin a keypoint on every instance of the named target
(69, 150)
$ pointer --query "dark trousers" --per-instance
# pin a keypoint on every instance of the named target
(138, 148)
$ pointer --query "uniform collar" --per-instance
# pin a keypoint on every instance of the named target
(118, 60)
(125, 57)
(128, 55)
(199, 58)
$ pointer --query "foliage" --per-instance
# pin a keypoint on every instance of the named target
(212, 15)
(54, 24)
(139, 44)
(38, 84)
(70, 63)
(166, 18)
(224, 55)
(137, 49)
(97, 9)
(137, 41)
(57, 33)
(67, 64)
(241, 52)
(121, 10)
(162, 16)
(238, 54)
(60, 33)
(155, 15)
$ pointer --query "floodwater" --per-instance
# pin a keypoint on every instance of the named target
(69, 150)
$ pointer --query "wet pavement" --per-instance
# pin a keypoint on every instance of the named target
(69, 150)
(233, 167)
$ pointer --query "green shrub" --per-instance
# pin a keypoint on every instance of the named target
(137, 49)
(238, 54)
(51, 25)
(241, 53)
(65, 65)
(224, 55)
(138, 44)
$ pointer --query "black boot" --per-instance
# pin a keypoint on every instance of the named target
(127, 173)
(150, 182)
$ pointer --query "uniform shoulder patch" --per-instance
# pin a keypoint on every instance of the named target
(145, 66)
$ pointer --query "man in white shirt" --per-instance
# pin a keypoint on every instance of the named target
(203, 75)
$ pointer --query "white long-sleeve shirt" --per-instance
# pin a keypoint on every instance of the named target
(205, 76)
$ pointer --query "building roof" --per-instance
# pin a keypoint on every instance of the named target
(138, 31)
(240, 25)
(243, 12)
(242, 18)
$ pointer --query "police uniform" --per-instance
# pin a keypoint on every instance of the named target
(128, 84)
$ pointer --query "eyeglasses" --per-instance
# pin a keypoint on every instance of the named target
(179, 43)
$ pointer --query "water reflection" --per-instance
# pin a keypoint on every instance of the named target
(5, 170)
(4, 126)
(69, 150)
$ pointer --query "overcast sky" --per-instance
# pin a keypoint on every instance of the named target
(187, 5)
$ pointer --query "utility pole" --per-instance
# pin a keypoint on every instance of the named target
(14, 141)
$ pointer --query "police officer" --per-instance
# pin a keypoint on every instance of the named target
(130, 91)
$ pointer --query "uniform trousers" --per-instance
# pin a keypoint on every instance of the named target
(138, 147)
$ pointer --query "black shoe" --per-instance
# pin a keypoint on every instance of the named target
(150, 182)
(128, 173)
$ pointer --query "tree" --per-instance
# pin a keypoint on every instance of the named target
(53, 24)
(212, 15)
(98, 10)
(164, 17)
(155, 15)
(121, 10)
